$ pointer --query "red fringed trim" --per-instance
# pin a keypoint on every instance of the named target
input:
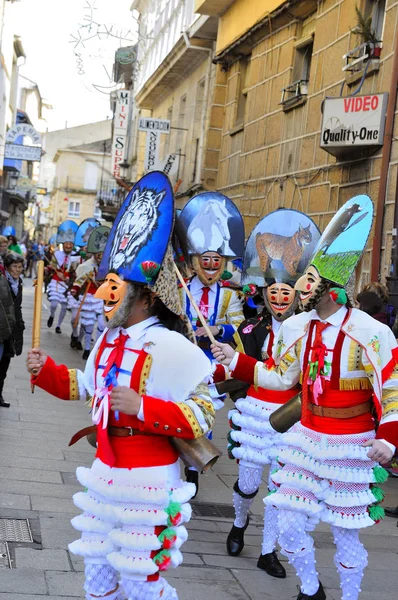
(244, 370)
(389, 432)
(390, 366)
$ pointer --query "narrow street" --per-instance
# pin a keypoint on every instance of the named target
(37, 474)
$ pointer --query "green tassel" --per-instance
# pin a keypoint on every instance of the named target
(167, 533)
(378, 493)
(271, 492)
(173, 509)
(226, 275)
(339, 295)
(376, 512)
(380, 474)
(160, 556)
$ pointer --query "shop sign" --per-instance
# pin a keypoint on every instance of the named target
(354, 122)
(152, 151)
(120, 126)
(149, 124)
(23, 129)
(19, 152)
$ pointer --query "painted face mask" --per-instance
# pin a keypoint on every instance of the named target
(311, 287)
(112, 292)
(281, 300)
(209, 267)
(68, 247)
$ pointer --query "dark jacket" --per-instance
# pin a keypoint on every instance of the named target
(7, 310)
(16, 347)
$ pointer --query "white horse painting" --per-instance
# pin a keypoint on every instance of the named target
(209, 230)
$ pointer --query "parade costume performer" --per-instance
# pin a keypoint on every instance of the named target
(215, 232)
(146, 380)
(90, 310)
(330, 471)
(276, 254)
(62, 270)
(82, 236)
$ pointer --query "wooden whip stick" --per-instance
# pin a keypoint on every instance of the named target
(75, 322)
(195, 306)
(37, 308)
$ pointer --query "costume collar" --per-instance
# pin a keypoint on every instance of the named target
(197, 285)
(336, 319)
(135, 332)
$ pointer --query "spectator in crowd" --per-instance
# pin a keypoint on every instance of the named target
(29, 261)
(13, 245)
(372, 304)
(3, 251)
(387, 308)
(37, 254)
(14, 265)
(7, 324)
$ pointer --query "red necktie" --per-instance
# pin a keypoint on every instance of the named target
(204, 302)
(319, 350)
(115, 359)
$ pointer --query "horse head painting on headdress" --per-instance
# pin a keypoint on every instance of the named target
(209, 229)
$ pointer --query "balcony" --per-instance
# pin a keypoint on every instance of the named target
(110, 198)
(294, 94)
(363, 59)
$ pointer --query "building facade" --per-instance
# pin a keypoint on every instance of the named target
(283, 62)
(177, 81)
(81, 172)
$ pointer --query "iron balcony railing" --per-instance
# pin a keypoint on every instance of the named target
(357, 57)
(296, 90)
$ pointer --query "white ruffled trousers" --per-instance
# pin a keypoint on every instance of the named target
(324, 477)
(131, 529)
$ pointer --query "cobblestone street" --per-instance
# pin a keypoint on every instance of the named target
(37, 482)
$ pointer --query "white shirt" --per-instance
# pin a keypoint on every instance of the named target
(196, 289)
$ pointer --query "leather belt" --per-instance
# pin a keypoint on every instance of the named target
(341, 413)
(113, 431)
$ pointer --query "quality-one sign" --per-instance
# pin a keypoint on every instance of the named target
(353, 122)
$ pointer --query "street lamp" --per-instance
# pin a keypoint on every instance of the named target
(123, 169)
(13, 177)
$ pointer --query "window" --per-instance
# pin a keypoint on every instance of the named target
(376, 9)
(73, 209)
(297, 91)
(90, 175)
(97, 213)
(244, 67)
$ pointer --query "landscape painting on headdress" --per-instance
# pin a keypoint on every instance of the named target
(344, 239)
(84, 231)
(142, 229)
(213, 223)
(279, 247)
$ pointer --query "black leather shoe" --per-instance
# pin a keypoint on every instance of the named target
(320, 595)
(192, 477)
(79, 345)
(235, 539)
(391, 512)
(4, 404)
(86, 354)
(50, 321)
(58, 330)
(271, 565)
(73, 341)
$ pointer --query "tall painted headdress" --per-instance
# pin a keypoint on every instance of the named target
(98, 239)
(84, 230)
(66, 232)
(213, 223)
(279, 248)
(344, 240)
(139, 244)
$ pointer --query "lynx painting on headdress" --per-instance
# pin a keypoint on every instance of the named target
(136, 226)
(289, 250)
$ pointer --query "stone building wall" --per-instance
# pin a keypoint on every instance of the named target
(273, 158)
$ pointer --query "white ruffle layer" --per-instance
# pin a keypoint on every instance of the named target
(56, 291)
(258, 442)
(120, 491)
(121, 509)
(324, 450)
